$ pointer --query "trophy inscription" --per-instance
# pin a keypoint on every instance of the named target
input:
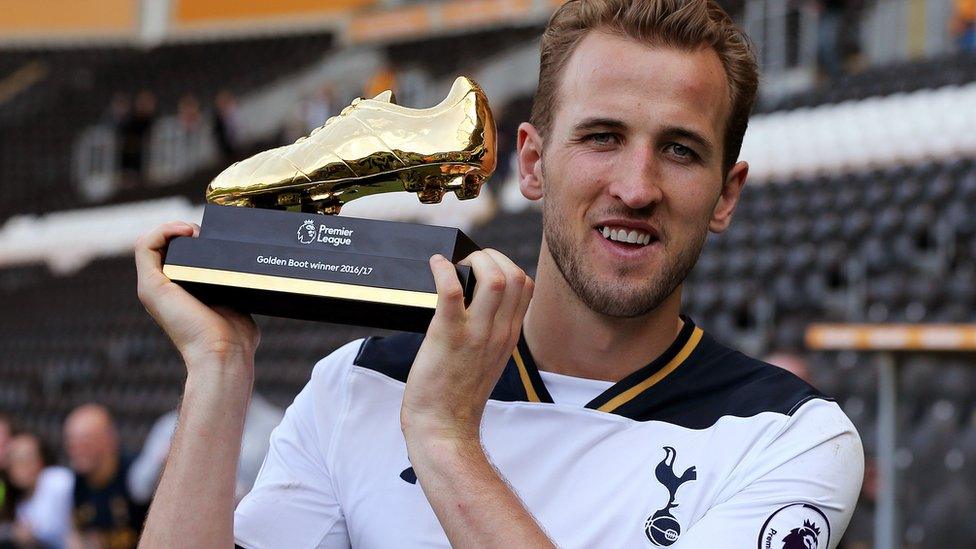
(265, 247)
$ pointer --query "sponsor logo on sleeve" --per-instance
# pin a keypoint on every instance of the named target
(795, 526)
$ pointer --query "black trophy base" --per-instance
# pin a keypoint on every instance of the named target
(314, 267)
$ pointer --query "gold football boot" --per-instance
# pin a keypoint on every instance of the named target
(373, 146)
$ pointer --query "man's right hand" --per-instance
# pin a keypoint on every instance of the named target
(194, 502)
(216, 336)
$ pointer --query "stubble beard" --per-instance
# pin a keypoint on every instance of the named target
(608, 298)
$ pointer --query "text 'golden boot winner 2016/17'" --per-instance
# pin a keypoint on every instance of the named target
(373, 146)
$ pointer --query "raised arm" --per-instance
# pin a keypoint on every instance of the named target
(194, 503)
(454, 372)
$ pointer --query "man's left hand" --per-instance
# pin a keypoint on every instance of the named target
(466, 349)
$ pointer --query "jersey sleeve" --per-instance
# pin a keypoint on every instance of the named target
(294, 501)
(800, 490)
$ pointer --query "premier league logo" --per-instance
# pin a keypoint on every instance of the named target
(306, 232)
(661, 528)
(795, 526)
(805, 537)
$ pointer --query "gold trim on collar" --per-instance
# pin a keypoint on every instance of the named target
(319, 288)
(524, 374)
(629, 394)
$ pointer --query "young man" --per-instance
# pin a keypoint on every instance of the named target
(105, 513)
(605, 419)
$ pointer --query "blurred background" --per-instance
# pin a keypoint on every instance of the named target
(115, 114)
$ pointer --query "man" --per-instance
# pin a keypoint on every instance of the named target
(105, 514)
(606, 419)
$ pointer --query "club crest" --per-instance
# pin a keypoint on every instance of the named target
(661, 528)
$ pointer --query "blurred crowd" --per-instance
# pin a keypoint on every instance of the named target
(132, 119)
(98, 496)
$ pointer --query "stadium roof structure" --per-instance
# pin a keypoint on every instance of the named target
(50, 23)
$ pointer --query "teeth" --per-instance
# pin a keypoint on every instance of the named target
(623, 235)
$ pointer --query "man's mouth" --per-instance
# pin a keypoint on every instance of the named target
(623, 235)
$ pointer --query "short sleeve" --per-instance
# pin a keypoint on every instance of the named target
(799, 492)
(293, 502)
(146, 469)
(48, 511)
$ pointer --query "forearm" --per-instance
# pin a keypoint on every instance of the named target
(194, 503)
(474, 505)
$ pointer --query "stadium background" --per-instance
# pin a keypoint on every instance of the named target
(861, 204)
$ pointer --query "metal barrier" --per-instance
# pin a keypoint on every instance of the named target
(888, 341)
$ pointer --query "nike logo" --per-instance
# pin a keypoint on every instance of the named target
(409, 476)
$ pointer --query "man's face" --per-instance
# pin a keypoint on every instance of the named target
(88, 441)
(634, 152)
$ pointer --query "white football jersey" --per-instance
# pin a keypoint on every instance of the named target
(704, 447)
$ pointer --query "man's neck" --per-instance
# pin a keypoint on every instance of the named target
(567, 337)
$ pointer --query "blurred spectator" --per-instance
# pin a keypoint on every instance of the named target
(189, 139)
(383, 79)
(262, 418)
(963, 25)
(318, 108)
(134, 134)
(225, 124)
(6, 495)
(188, 113)
(44, 494)
(791, 362)
(828, 36)
(118, 111)
(105, 514)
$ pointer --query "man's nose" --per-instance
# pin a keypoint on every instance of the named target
(637, 184)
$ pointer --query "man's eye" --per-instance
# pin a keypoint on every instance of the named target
(681, 151)
(602, 138)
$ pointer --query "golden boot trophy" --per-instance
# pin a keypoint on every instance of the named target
(372, 146)
(265, 248)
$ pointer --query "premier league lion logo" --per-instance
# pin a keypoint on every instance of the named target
(306, 233)
(805, 537)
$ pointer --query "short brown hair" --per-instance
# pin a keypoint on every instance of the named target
(684, 24)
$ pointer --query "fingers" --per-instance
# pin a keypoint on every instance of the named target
(450, 294)
(489, 288)
(149, 250)
(515, 282)
(501, 297)
(150, 246)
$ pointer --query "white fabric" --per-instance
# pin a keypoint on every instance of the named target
(573, 391)
(262, 417)
(48, 511)
(332, 476)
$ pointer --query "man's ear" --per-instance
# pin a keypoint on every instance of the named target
(731, 190)
(530, 161)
